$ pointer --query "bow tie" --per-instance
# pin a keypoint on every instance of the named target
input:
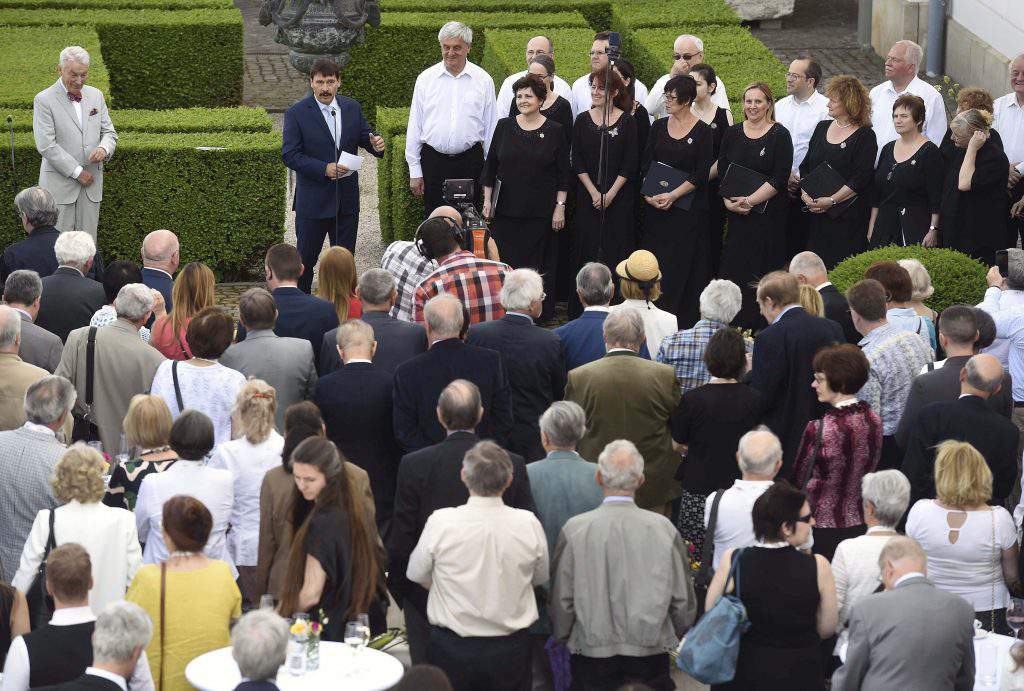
(75, 98)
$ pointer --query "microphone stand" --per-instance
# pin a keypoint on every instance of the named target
(602, 163)
(14, 170)
(337, 180)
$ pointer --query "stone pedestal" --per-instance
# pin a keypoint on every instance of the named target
(314, 29)
(751, 10)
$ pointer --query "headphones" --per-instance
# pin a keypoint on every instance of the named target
(458, 233)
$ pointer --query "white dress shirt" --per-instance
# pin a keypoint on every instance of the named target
(247, 463)
(77, 105)
(581, 93)
(333, 122)
(884, 95)
(109, 676)
(800, 118)
(450, 113)
(735, 526)
(481, 561)
(855, 567)
(1009, 330)
(655, 104)
(18, 669)
(1009, 123)
(108, 534)
(505, 95)
(658, 324)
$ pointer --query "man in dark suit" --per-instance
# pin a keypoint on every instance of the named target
(430, 479)
(419, 381)
(160, 258)
(782, 360)
(533, 357)
(966, 419)
(70, 299)
(259, 646)
(357, 406)
(583, 337)
(38, 347)
(958, 336)
(397, 340)
(299, 314)
(316, 130)
(810, 270)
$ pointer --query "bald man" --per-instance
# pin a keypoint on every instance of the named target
(687, 52)
(538, 45)
(160, 258)
(967, 419)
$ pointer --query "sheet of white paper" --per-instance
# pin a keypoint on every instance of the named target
(353, 163)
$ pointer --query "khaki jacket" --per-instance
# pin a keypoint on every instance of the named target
(16, 376)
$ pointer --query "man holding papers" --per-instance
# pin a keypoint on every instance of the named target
(321, 135)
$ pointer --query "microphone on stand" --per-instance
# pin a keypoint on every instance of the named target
(334, 119)
(14, 170)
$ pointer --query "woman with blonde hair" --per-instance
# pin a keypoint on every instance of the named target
(971, 546)
(147, 428)
(107, 534)
(192, 293)
(249, 458)
(810, 300)
(847, 145)
(337, 283)
(921, 281)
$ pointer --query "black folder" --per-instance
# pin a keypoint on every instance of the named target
(824, 181)
(663, 178)
(740, 181)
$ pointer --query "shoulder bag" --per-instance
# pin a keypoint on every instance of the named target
(177, 387)
(809, 470)
(40, 604)
(703, 578)
(84, 428)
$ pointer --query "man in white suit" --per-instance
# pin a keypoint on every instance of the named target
(75, 136)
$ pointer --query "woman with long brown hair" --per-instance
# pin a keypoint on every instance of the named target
(337, 283)
(192, 293)
(335, 565)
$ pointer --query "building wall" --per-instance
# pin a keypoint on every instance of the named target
(999, 23)
(897, 20)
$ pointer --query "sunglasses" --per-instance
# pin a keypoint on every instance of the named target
(685, 56)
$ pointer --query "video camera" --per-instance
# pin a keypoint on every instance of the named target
(475, 233)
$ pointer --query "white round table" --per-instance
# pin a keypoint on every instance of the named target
(217, 671)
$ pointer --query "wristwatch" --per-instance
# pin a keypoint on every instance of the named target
(560, 203)
(833, 200)
(932, 229)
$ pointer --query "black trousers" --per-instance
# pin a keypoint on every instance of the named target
(485, 663)
(309, 239)
(609, 673)
(891, 457)
(438, 167)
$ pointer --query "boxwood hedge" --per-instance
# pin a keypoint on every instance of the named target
(504, 52)
(598, 13)
(630, 15)
(227, 205)
(391, 122)
(406, 210)
(179, 120)
(156, 58)
(28, 61)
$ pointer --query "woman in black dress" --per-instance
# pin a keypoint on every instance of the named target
(908, 182)
(846, 143)
(635, 108)
(790, 597)
(757, 223)
(526, 181)
(974, 201)
(335, 565)
(719, 119)
(614, 178)
(554, 106)
(678, 237)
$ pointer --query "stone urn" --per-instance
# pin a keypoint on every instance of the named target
(314, 29)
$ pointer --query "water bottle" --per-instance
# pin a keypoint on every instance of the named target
(296, 661)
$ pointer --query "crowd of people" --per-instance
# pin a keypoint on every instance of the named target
(549, 508)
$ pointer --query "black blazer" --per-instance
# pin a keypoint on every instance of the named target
(838, 310)
(160, 281)
(88, 682)
(430, 479)
(397, 341)
(419, 382)
(35, 252)
(535, 361)
(965, 419)
(300, 315)
(68, 301)
(943, 384)
(782, 373)
(357, 407)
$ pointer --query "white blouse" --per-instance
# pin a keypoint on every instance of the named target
(210, 390)
(855, 567)
(657, 322)
(107, 534)
(248, 463)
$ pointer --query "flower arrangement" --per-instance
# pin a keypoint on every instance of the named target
(691, 552)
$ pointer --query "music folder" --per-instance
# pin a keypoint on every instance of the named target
(740, 181)
(662, 178)
(824, 181)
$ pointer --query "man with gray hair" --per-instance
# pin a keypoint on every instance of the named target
(902, 64)
(481, 562)
(727, 513)
(161, 254)
(16, 375)
(687, 53)
(398, 340)
(441, 143)
(627, 397)
(123, 365)
(70, 297)
(618, 634)
(810, 270)
(533, 357)
(720, 302)
(28, 457)
(1008, 111)
(22, 291)
(74, 142)
(259, 645)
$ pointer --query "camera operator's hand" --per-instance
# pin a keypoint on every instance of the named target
(558, 217)
(416, 185)
(994, 278)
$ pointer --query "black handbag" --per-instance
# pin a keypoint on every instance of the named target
(40, 604)
(84, 428)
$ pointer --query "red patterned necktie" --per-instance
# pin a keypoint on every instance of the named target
(75, 98)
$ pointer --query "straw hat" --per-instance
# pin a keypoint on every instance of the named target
(641, 266)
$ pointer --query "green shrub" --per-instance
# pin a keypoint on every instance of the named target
(179, 120)
(28, 62)
(157, 58)
(227, 206)
(598, 13)
(391, 122)
(630, 15)
(406, 210)
(504, 52)
(957, 278)
(117, 4)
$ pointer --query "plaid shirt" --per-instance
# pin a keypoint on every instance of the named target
(477, 282)
(684, 350)
(403, 261)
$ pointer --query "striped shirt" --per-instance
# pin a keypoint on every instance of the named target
(476, 282)
(403, 260)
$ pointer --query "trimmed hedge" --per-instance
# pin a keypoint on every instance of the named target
(630, 15)
(165, 121)
(504, 52)
(117, 4)
(391, 122)
(598, 13)
(28, 62)
(406, 210)
(157, 58)
(227, 206)
(957, 278)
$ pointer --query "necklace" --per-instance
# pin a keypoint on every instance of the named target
(843, 127)
(205, 359)
(155, 449)
(182, 555)
(701, 112)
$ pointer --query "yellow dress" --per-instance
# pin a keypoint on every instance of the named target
(199, 606)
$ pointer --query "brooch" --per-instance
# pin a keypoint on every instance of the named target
(843, 145)
(613, 132)
(913, 161)
(541, 135)
(93, 112)
(689, 140)
(663, 183)
(714, 125)
(762, 152)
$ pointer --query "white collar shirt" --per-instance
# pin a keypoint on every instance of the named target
(41, 429)
(734, 526)
(800, 118)
(907, 577)
(110, 676)
(450, 113)
(581, 93)
(77, 105)
(333, 122)
(655, 102)
(1009, 122)
(505, 95)
(884, 95)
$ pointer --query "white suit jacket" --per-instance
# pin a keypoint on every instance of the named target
(65, 144)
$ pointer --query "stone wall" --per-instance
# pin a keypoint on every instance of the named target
(751, 10)
(972, 62)
(897, 20)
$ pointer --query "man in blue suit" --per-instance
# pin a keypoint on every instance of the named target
(316, 130)
(160, 259)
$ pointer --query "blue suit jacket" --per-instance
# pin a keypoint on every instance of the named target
(583, 339)
(35, 253)
(299, 315)
(307, 149)
(160, 281)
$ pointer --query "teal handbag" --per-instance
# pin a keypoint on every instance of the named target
(711, 648)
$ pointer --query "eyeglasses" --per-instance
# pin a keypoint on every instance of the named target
(794, 76)
(889, 58)
(804, 519)
(595, 53)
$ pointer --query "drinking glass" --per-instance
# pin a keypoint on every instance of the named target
(267, 602)
(356, 640)
(1015, 615)
(988, 656)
